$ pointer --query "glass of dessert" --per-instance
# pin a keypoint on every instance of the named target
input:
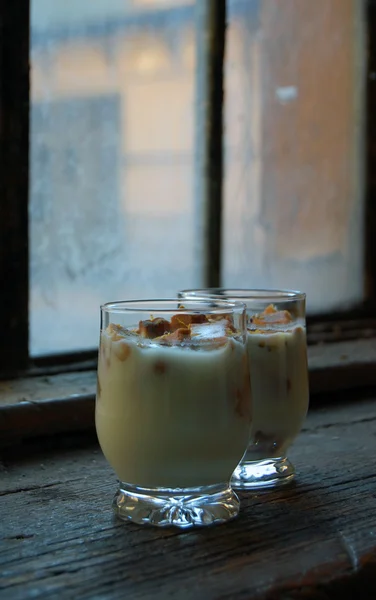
(277, 353)
(173, 407)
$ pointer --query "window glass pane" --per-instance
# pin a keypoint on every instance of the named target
(112, 121)
(293, 189)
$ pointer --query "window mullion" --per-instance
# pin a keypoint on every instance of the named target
(370, 129)
(210, 48)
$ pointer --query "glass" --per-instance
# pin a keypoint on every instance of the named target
(294, 167)
(173, 408)
(112, 129)
(277, 353)
(118, 187)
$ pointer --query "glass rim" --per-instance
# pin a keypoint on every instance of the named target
(257, 294)
(148, 305)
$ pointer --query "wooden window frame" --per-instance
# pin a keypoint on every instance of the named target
(14, 184)
(14, 187)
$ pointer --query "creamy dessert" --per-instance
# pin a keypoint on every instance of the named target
(173, 403)
(279, 378)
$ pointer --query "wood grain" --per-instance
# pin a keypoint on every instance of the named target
(316, 539)
(51, 404)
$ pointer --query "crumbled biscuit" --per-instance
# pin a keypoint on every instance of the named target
(272, 316)
(99, 387)
(179, 321)
(227, 319)
(243, 396)
(269, 310)
(154, 328)
(160, 367)
(116, 332)
(122, 350)
(179, 335)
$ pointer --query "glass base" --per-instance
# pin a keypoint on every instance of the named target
(193, 507)
(261, 474)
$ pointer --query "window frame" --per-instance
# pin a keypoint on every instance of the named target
(370, 159)
(14, 182)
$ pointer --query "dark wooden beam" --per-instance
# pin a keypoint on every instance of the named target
(53, 403)
(371, 156)
(210, 49)
(14, 177)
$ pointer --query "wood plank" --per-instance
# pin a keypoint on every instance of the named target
(14, 177)
(322, 358)
(312, 540)
(46, 405)
(51, 404)
(46, 387)
(342, 365)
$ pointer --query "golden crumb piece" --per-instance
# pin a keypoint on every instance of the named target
(116, 332)
(122, 350)
(179, 335)
(243, 394)
(269, 310)
(160, 367)
(154, 328)
(216, 342)
(99, 387)
(271, 316)
(228, 321)
(183, 320)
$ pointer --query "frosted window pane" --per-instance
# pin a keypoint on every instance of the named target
(293, 190)
(112, 122)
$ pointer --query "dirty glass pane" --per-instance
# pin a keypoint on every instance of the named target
(112, 120)
(294, 171)
(112, 133)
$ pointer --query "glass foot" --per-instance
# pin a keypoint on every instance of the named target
(193, 507)
(261, 474)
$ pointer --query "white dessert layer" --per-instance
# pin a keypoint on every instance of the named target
(172, 416)
(280, 393)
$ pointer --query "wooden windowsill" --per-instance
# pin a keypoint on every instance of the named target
(49, 404)
(313, 540)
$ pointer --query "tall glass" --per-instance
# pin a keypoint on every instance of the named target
(277, 352)
(173, 407)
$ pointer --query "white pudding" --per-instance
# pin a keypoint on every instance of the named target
(280, 394)
(173, 411)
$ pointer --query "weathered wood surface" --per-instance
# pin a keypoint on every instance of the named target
(315, 540)
(340, 330)
(339, 355)
(51, 404)
(34, 406)
(342, 365)
(45, 387)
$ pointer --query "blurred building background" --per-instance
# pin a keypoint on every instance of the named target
(112, 155)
